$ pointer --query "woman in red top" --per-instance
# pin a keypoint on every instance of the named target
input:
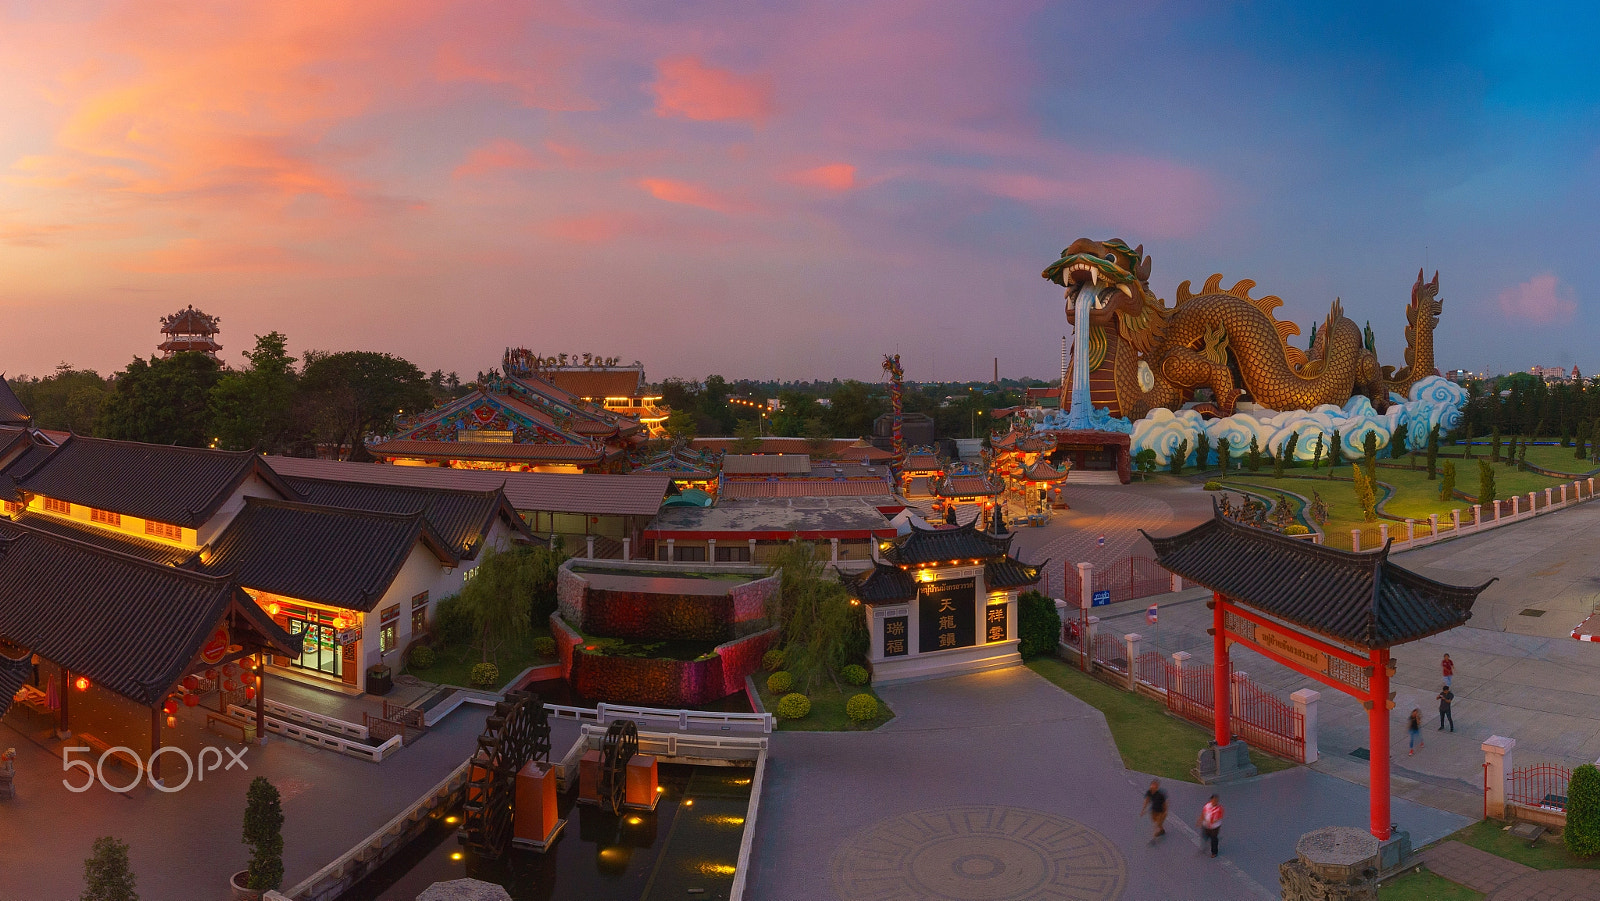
(1449, 667)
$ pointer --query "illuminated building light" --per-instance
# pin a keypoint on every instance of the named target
(634, 821)
(455, 855)
(717, 869)
(80, 684)
(450, 820)
(688, 802)
(726, 820)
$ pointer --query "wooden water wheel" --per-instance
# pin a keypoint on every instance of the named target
(620, 743)
(516, 732)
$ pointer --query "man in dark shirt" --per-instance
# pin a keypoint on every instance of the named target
(1155, 801)
(1445, 697)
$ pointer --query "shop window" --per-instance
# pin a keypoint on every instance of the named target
(419, 614)
(467, 576)
(52, 505)
(389, 629)
(105, 517)
(689, 554)
(13, 508)
(733, 554)
(162, 530)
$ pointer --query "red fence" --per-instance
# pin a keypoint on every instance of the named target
(1256, 715)
(1111, 651)
(1541, 785)
(1153, 669)
(1135, 577)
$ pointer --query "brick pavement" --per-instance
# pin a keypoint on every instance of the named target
(1551, 885)
(1473, 868)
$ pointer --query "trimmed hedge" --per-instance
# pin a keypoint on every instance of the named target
(422, 657)
(485, 675)
(861, 707)
(1297, 529)
(772, 661)
(794, 706)
(544, 646)
(855, 674)
(1582, 835)
(780, 682)
(1213, 485)
(1039, 625)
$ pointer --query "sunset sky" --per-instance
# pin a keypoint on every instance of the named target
(786, 189)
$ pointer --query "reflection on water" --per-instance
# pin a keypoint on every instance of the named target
(690, 841)
(560, 692)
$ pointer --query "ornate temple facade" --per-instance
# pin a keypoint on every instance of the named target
(190, 330)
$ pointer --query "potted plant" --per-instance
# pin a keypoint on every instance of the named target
(263, 832)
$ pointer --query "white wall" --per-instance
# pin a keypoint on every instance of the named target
(252, 486)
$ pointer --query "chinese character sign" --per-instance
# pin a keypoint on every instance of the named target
(994, 623)
(894, 636)
(947, 611)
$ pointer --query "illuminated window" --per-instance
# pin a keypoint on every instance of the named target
(105, 517)
(467, 576)
(13, 508)
(389, 628)
(419, 614)
(54, 506)
(162, 530)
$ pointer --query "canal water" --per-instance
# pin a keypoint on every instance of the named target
(686, 848)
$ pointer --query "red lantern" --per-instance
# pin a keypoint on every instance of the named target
(230, 685)
(249, 693)
(191, 700)
(191, 683)
(211, 673)
(81, 683)
(170, 707)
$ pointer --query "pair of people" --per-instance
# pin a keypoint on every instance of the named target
(1210, 822)
(1414, 725)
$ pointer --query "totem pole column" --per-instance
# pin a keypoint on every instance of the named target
(1378, 743)
(1219, 673)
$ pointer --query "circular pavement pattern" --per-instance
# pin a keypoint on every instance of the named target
(979, 853)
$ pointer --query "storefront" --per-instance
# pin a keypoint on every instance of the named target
(331, 639)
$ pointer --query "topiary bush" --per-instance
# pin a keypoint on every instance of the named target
(485, 675)
(1038, 626)
(861, 707)
(855, 674)
(544, 646)
(772, 661)
(794, 706)
(1582, 835)
(422, 657)
(1213, 485)
(1297, 529)
(780, 682)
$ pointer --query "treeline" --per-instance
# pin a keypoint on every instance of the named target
(272, 405)
(1520, 404)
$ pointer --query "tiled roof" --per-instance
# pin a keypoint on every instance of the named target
(343, 558)
(462, 518)
(12, 412)
(1360, 599)
(1041, 471)
(126, 624)
(958, 485)
(14, 673)
(1009, 573)
(30, 457)
(811, 519)
(762, 464)
(732, 488)
(182, 486)
(843, 447)
(594, 494)
(922, 462)
(881, 585)
(941, 545)
(488, 450)
(154, 551)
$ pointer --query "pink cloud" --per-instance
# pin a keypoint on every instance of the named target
(197, 255)
(832, 177)
(614, 225)
(688, 88)
(499, 155)
(1540, 300)
(689, 194)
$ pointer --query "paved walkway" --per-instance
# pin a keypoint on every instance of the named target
(1475, 869)
(982, 783)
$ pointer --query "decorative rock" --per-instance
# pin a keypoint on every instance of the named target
(464, 890)
(1336, 863)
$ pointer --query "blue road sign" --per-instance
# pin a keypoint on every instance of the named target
(1100, 599)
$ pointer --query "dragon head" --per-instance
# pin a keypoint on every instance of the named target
(1118, 275)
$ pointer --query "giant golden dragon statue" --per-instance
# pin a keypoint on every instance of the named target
(1144, 354)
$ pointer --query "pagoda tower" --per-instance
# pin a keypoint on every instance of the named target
(187, 330)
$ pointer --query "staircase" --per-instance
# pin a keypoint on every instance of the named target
(1093, 477)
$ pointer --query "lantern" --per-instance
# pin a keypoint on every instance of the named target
(273, 608)
(211, 674)
(338, 622)
(80, 684)
(170, 707)
(230, 685)
(191, 700)
(249, 693)
(172, 722)
(191, 683)
(230, 671)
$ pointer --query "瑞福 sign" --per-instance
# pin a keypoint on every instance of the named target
(894, 636)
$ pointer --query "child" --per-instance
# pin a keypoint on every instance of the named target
(1415, 728)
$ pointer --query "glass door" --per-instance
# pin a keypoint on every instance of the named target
(320, 649)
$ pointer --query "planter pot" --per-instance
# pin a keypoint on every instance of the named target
(240, 893)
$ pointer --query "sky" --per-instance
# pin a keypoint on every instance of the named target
(787, 189)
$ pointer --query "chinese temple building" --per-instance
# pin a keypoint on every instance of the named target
(941, 602)
(1091, 455)
(920, 463)
(754, 530)
(689, 471)
(597, 380)
(965, 485)
(798, 475)
(189, 330)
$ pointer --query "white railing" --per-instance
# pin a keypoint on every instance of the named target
(673, 744)
(306, 717)
(1487, 519)
(686, 720)
(311, 736)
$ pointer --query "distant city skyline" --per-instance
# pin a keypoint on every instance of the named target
(789, 191)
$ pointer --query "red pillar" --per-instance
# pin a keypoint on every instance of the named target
(157, 713)
(1378, 744)
(261, 698)
(65, 725)
(1219, 672)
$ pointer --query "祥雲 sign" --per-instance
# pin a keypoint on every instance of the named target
(946, 610)
(994, 623)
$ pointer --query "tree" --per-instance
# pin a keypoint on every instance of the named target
(1285, 454)
(1316, 453)
(1447, 484)
(162, 401)
(1486, 496)
(107, 875)
(1224, 450)
(681, 425)
(1366, 493)
(1202, 452)
(352, 394)
(1180, 455)
(1582, 439)
(818, 441)
(821, 630)
(263, 832)
(250, 408)
(510, 591)
(1146, 461)
(1397, 442)
(748, 439)
(68, 399)
(1582, 833)
(852, 409)
(1494, 445)
(1433, 452)
(1253, 459)
(1039, 625)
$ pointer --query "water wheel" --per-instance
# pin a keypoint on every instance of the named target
(516, 732)
(620, 743)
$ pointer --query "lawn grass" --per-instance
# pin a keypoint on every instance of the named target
(1421, 885)
(1148, 739)
(1553, 457)
(1547, 854)
(827, 707)
(453, 664)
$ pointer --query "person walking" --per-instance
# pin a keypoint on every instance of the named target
(1155, 800)
(1211, 822)
(1449, 668)
(1445, 697)
(1414, 727)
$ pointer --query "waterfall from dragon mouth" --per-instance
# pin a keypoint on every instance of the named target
(1081, 409)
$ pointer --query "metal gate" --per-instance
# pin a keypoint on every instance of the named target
(1255, 715)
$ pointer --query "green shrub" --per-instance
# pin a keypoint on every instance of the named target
(485, 675)
(772, 661)
(1297, 529)
(1447, 480)
(1252, 460)
(544, 646)
(1224, 454)
(855, 674)
(421, 657)
(793, 706)
(1582, 835)
(263, 832)
(1038, 625)
(1213, 485)
(1179, 457)
(780, 682)
(1486, 495)
(107, 875)
(451, 621)
(861, 707)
